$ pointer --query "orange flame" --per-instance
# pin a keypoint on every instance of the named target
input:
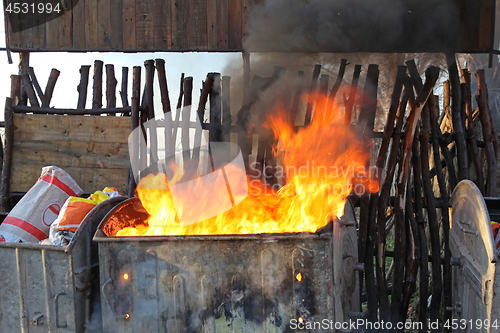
(318, 165)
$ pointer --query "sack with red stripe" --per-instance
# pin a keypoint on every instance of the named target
(30, 220)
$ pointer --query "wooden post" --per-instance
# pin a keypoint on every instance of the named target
(312, 92)
(97, 87)
(321, 101)
(37, 87)
(296, 98)
(110, 86)
(82, 87)
(381, 203)
(51, 83)
(368, 109)
(471, 140)
(215, 109)
(246, 77)
(206, 90)
(15, 89)
(446, 102)
(30, 92)
(186, 112)
(433, 220)
(124, 88)
(456, 116)
(165, 101)
(149, 103)
(482, 101)
(226, 109)
(136, 91)
(419, 215)
(24, 64)
(178, 110)
(7, 161)
(352, 95)
(336, 85)
(162, 79)
(413, 259)
(445, 203)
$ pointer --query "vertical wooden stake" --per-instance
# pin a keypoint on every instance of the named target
(24, 64)
(82, 87)
(51, 83)
(352, 96)
(135, 153)
(15, 89)
(97, 87)
(7, 161)
(37, 87)
(124, 88)
(456, 116)
(226, 108)
(110, 87)
(312, 92)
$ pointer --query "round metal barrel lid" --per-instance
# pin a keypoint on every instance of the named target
(471, 246)
(471, 222)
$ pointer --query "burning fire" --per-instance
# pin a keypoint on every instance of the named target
(320, 165)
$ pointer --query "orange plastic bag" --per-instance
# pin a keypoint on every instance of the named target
(496, 233)
(73, 212)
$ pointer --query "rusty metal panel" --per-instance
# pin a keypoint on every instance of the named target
(51, 288)
(471, 245)
(192, 25)
(235, 283)
(221, 284)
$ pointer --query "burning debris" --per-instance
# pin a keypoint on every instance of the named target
(321, 165)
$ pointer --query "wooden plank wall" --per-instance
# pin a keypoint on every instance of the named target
(182, 25)
(191, 25)
(92, 149)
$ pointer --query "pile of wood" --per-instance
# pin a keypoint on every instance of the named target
(418, 166)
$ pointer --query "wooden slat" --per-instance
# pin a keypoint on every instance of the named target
(65, 23)
(103, 24)
(162, 24)
(26, 34)
(212, 24)
(144, 23)
(197, 25)
(222, 24)
(89, 179)
(235, 24)
(52, 31)
(486, 24)
(71, 128)
(14, 37)
(79, 24)
(91, 22)
(247, 8)
(39, 32)
(128, 21)
(116, 24)
(180, 12)
(72, 153)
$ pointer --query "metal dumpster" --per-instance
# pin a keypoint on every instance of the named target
(475, 271)
(51, 288)
(230, 283)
